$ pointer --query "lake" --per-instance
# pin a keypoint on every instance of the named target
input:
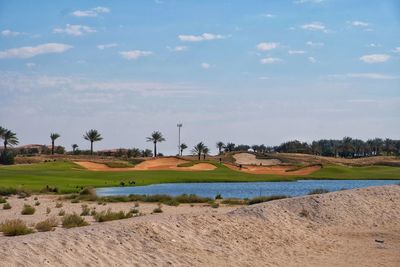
(242, 190)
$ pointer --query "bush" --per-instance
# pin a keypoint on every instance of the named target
(37, 203)
(158, 209)
(214, 205)
(257, 200)
(191, 199)
(48, 210)
(46, 225)
(85, 210)
(49, 189)
(218, 196)
(304, 213)
(22, 193)
(7, 191)
(75, 200)
(234, 201)
(59, 205)
(7, 158)
(2, 200)
(28, 210)
(134, 211)
(172, 202)
(14, 227)
(73, 220)
(6, 206)
(318, 191)
(109, 215)
(61, 213)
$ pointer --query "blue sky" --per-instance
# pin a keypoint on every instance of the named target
(246, 72)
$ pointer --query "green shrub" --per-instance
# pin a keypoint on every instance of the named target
(318, 191)
(109, 215)
(158, 209)
(191, 199)
(37, 203)
(7, 158)
(257, 200)
(172, 202)
(73, 220)
(6, 206)
(85, 210)
(134, 211)
(61, 213)
(49, 189)
(59, 205)
(218, 196)
(7, 191)
(234, 201)
(23, 193)
(28, 210)
(14, 227)
(47, 225)
(215, 205)
(2, 200)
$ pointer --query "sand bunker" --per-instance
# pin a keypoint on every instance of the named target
(250, 159)
(347, 228)
(276, 170)
(169, 163)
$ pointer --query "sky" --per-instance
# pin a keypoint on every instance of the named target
(247, 72)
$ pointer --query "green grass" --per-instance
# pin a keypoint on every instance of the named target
(69, 177)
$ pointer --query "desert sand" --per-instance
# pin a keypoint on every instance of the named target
(167, 163)
(359, 227)
(250, 159)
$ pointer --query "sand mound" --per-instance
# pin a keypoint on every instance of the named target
(250, 159)
(335, 229)
(276, 170)
(168, 163)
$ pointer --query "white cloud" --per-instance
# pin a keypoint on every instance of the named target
(314, 26)
(270, 60)
(312, 60)
(365, 75)
(135, 54)
(315, 44)
(10, 33)
(31, 51)
(296, 52)
(375, 58)
(374, 45)
(104, 46)
(263, 78)
(309, 1)
(358, 23)
(178, 48)
(30, 65)
(75, 30)
(202, 37)
(267, 46)
(94, 12)
(205, 65)
(396, 50)
(268, 15)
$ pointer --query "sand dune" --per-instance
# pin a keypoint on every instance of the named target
(167, 163)
(335, 229)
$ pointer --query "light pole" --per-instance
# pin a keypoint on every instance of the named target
(179, 125)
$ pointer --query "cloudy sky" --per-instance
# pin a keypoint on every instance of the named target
(242, 71)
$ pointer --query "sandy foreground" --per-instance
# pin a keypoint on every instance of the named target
(359, 227)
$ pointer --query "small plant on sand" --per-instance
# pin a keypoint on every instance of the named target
(47, 225)
(14, 227)
(93, 212)
(28, 210)
(304, 213)
(22, 193)
(136, 204)
(37, 203)
(75, 200)
(214, 205)
(61, 213)
(158, 209)
(59, 205)
(88, 193)
(134, 211)
(48, 210)
(35, 198)
(318, 191)
(2, 200)
(218, 196)
(6, 206)
(172, 202)
(257, 200)
(109, 215)
(234, 201)
(85, 210)
(73, 220)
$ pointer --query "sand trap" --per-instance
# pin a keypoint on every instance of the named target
(335, 229)
(250, 159)
(169, 163)
(276, 170)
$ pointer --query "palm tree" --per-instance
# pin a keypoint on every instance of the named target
(9, 138)
(229, 147)
(205, 152)
(92, 136)
(220, 146)
(74, 147)
(182, 147)
(53, 137)
(2, 131)
(156, 137)
(198, 149)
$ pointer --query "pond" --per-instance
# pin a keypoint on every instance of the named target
(242, 190)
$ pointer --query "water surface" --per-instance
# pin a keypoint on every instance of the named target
(242, 190)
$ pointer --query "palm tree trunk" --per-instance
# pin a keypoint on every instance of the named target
(52, 147)
(199, 155)
(5, 146)
(155, 149)
(91, 147)
(181, 152)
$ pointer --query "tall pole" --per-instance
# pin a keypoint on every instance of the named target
(179, 137)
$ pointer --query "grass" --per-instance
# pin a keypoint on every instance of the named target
(234, 201)
(28, 210)
(68, 177)
(15, 227)
(262, 199)
(109, 215)
(2, 200)
(318, 191)
(47, 225)
(73, 220)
